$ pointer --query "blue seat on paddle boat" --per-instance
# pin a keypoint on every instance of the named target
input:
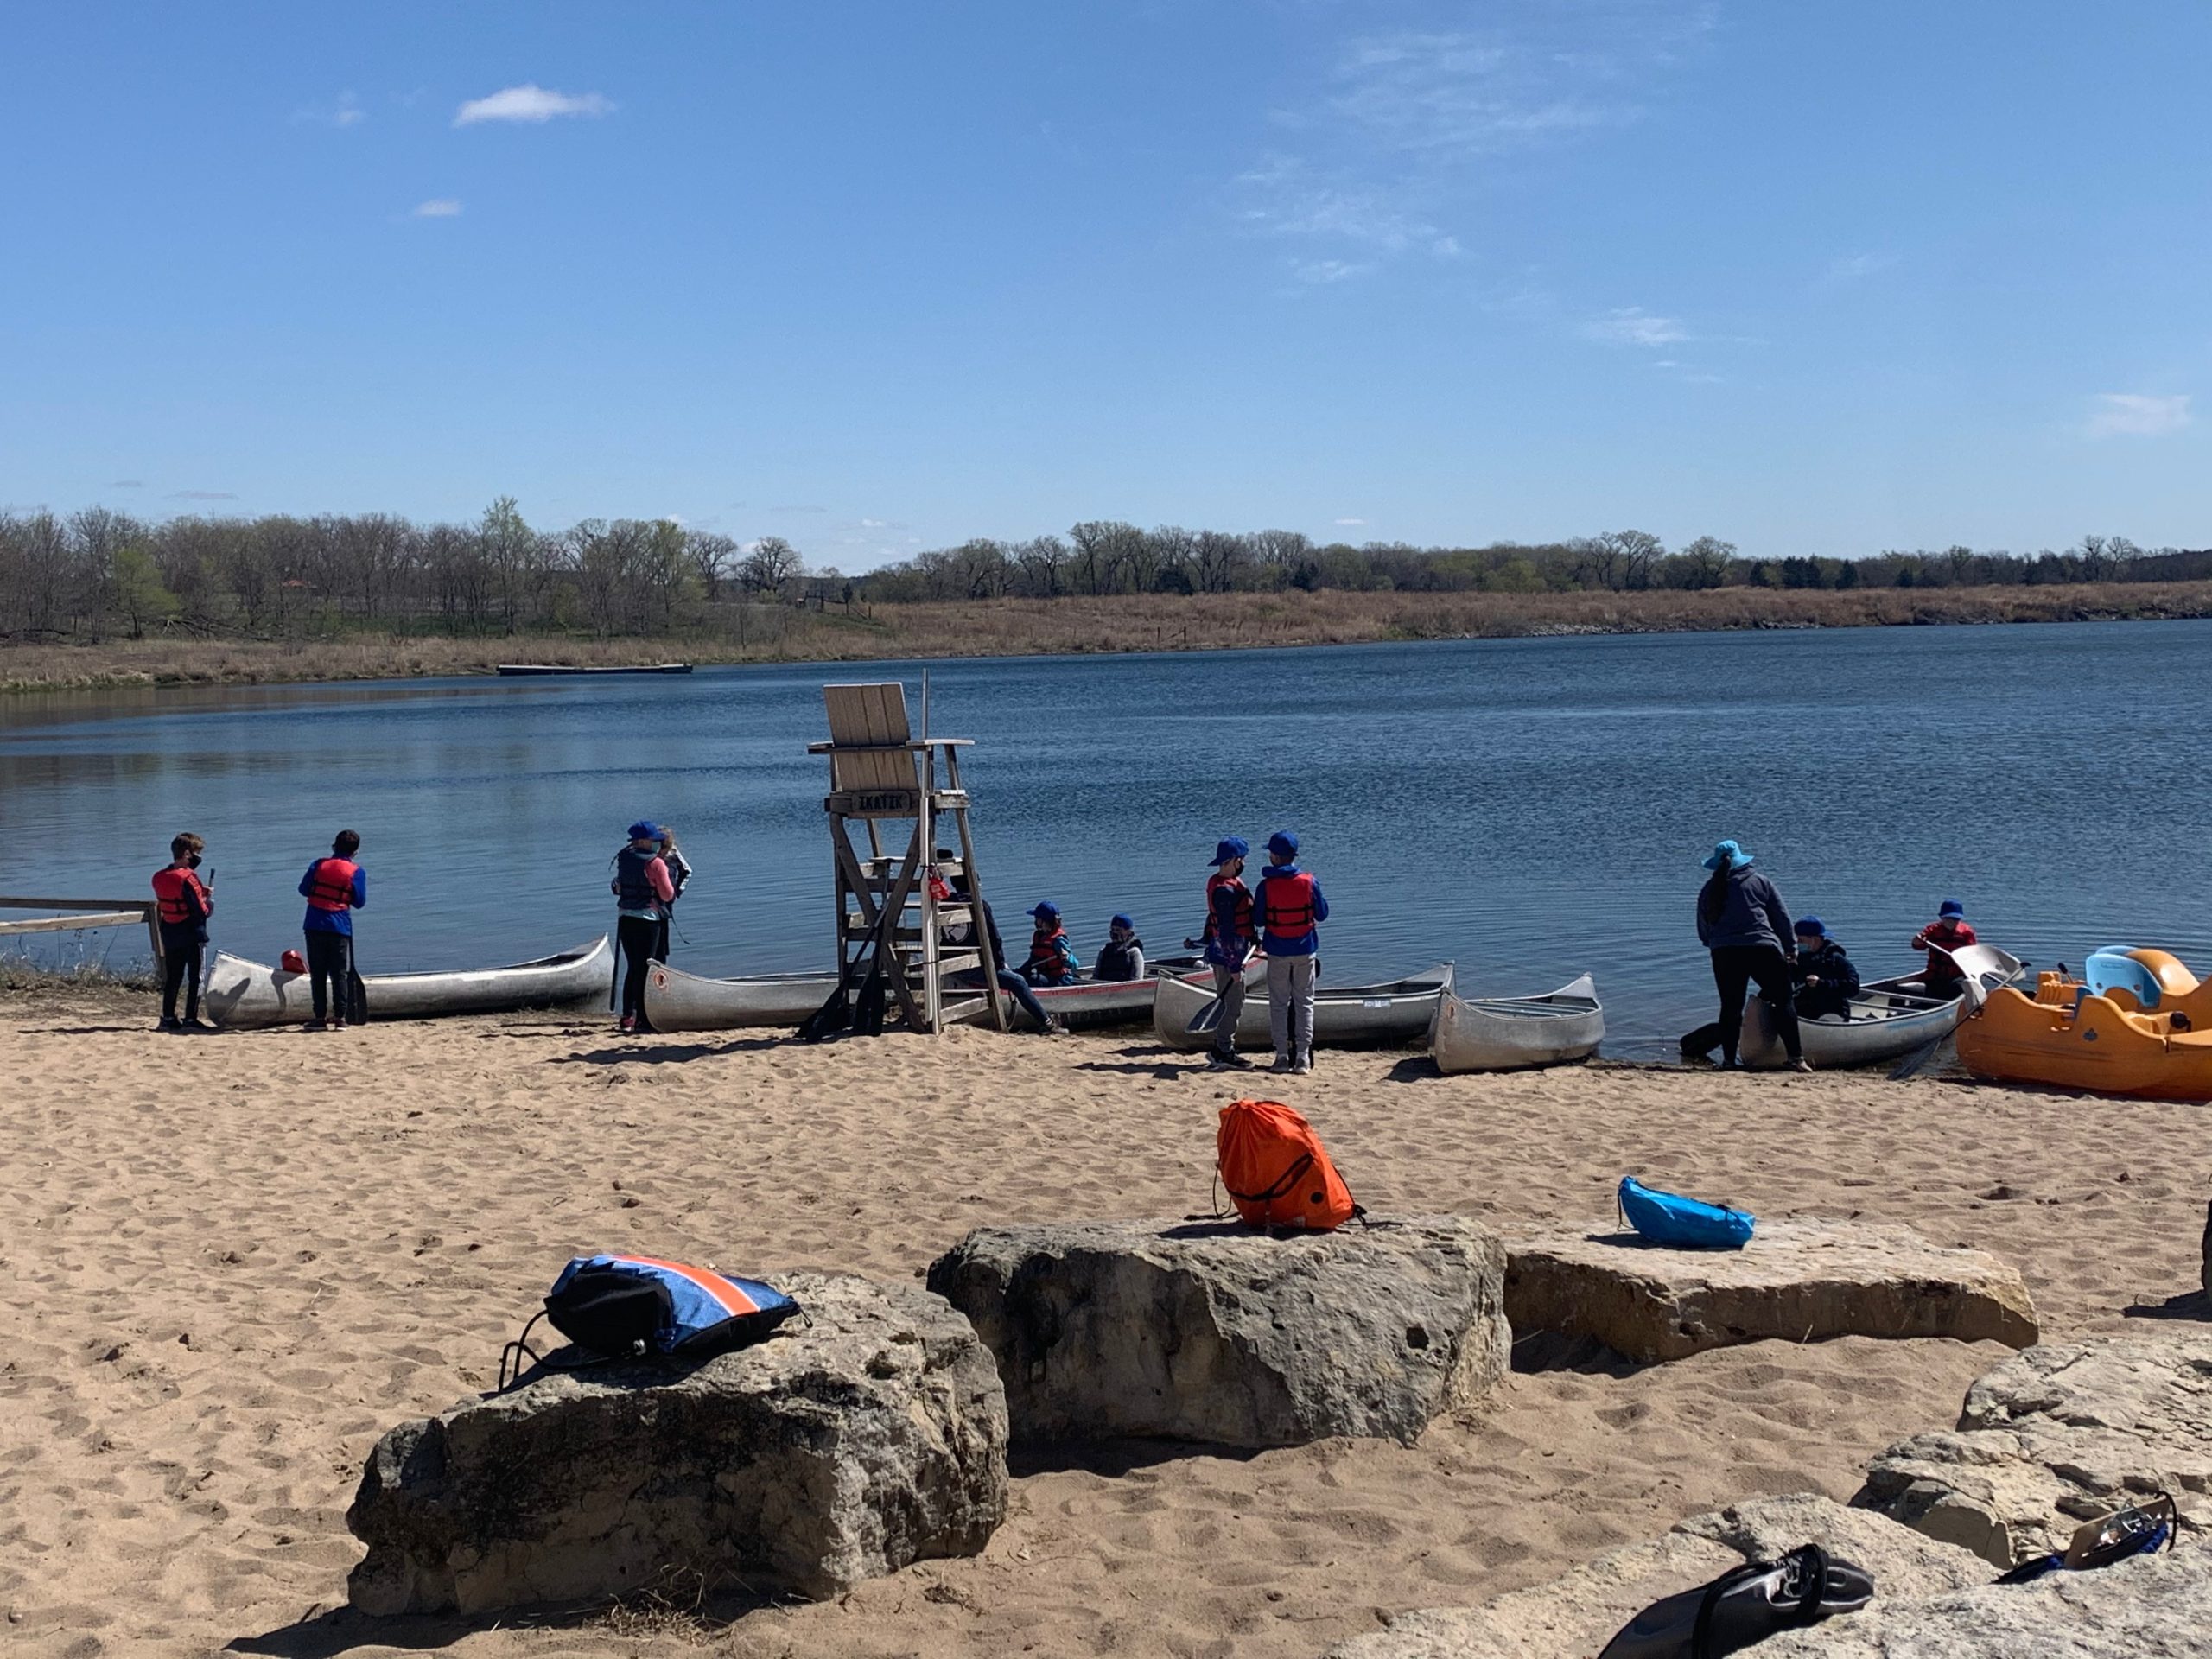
(2114, 969)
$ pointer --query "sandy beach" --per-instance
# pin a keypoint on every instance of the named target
(234, 1261)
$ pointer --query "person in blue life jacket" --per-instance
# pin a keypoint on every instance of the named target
(1742, 920)
(1052, 954)
(1825, 978)
(1122, 958)
(1228, 939)
(1291, 908)
(643, 890)
(334, 889)
(963, 933)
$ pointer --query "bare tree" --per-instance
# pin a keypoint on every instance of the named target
(769, 564)
(714, 561)
(1707, 560)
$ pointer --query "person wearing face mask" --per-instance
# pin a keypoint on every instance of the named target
(1825, 978)
(1291, 908)
(185, 904)
(1122, 958)
(643, 892)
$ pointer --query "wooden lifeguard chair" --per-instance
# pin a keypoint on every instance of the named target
(881, 772)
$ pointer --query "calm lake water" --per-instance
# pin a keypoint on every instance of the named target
(1529, 808)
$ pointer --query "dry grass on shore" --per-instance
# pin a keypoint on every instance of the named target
(1015, 627)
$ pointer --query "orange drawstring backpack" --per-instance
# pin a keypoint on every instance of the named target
(1275, 1171)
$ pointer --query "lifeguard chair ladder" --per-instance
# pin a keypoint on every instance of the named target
(880, 774)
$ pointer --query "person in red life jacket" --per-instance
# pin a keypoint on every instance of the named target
(1291, 908)
(334, 889)
(1229, 941)
(643, 892)
(1946, 933)
(1051, 956)
(185, 904)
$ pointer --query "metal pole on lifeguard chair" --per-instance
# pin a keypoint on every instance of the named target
(888, 902)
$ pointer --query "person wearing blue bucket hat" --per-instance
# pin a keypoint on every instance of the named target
(1292, 908)
(1122, 958)
(1949, 933)
(1228, 940)
(1742, 920)
(643, 892)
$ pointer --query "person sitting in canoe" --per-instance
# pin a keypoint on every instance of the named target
(1051, 956)
(1122, 958)
(1825, 979)
(1742, 920)
(1946, 933)
(963, 933)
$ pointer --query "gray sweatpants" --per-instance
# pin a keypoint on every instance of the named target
(1228, 988)
(1290, 1005)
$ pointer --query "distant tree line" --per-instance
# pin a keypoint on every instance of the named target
(1107, 556)
(98, 574)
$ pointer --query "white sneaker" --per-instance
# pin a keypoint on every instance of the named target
(1304, 1064)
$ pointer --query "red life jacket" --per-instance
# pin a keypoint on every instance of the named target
(333, 886)
(183, 898)
(1244, 935)
(1289, 901)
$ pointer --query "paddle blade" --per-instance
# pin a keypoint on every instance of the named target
(1701, 1042)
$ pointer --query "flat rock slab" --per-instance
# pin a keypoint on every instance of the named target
(1799, 1281)
(844, 1447)
(2152, 1607)
(1576, 1614)
(1212, 1332)
(2056, 1436)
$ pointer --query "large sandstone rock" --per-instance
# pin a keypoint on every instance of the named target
(1212, 1332)
(1799, 1281)
(1574, 1615)
(2152, 1607)
(871, 1435)
(2056, 1436)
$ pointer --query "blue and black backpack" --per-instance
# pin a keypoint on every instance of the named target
(617, 1306)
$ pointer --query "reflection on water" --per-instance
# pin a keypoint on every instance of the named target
(1530, 808)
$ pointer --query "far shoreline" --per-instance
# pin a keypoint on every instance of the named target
(1126, 624)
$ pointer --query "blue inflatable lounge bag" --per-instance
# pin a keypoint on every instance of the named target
(1683, 1224)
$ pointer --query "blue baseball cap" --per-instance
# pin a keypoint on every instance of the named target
(1730, 854)
(1044, 909)
(1234, 847)
(1282, 842)
(1120, 921)
(644, 829)
(1813, 925)
(1951, 907)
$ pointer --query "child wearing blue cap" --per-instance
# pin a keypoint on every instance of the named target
(1229, 941)
(1122, 958)
(1291, 908)
(1946, 933)
(1051, 956)
(1827, 979)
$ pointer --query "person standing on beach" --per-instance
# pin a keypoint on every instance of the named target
(185, 904)
(1742, 920)
(679, 875)
(334, 889)
(643, 892)
(1291, 908)
(1229, 942)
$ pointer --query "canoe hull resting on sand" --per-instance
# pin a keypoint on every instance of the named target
(1349, 1016)
(1888, 1021)
(2069, 1036)
(1506, 1033)
(241, 994)
(675, 1000)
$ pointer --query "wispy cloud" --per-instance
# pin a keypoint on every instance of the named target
(203, 495)
(1322, 271)
(804, 509)
(128, 483)
(438, 208)
(1633, 325)
(531, 103)
(2134, 415)
(1351, 521)
(346, 112)
(1855, 269)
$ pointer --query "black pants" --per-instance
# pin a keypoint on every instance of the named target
(181, 945)
(330, 968)
(639, 937)
(1735, 969)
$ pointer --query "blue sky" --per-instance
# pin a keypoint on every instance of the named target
(1818, 279)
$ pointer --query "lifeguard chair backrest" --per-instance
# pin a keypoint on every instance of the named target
(1275, 1170)
(864, 715)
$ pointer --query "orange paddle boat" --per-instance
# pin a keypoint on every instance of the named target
(2137, 1022)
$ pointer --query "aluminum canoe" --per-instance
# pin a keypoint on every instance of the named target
(242, 994)
(1504, 1033)
(1889, 1017)
(1184, 1012)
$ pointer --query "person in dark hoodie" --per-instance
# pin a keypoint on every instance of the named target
(1742, 920)
(1122, 958)
(1825, 979)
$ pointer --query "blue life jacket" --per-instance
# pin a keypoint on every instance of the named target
(633, 887)
(1685, 1223)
